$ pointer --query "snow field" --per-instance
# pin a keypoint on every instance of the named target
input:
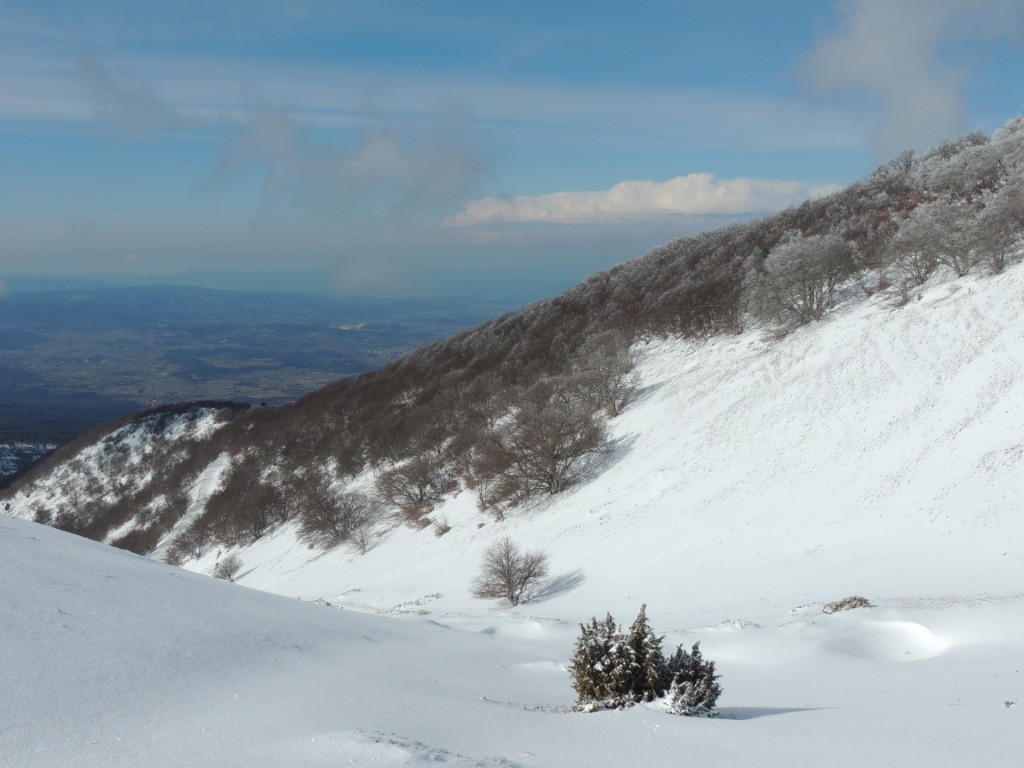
(113, 660)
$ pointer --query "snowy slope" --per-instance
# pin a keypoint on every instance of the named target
(876, 453)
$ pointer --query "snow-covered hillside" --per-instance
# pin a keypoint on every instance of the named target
(877, 453)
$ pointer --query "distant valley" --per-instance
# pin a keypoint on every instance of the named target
(70, 360)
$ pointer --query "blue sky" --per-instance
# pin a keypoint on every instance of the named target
(410, 147)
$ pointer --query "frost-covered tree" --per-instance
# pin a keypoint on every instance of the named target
(800, 278)
(604, 372)
(960, 170)
(508, 572)
(935, 233)
(1000, 229)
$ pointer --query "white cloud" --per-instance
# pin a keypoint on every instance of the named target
(695, 194)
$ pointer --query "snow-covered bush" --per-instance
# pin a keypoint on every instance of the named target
(612, 670)
(693, 687)
(846, 604)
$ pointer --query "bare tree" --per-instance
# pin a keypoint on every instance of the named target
(542, 448)
(508, 572)
(265, 507)
(228, 568)
(190, 544)
(362, 539)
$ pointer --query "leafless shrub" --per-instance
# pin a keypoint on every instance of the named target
(228, 568)
(441, 527)
(846, 604)
(190, 544)
(415, 486)
(42, 515)
(508, 572)
(362, 539)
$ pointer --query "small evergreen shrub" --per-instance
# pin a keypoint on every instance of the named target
(693, 685)
(613, 670)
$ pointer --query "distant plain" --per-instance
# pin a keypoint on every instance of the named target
(70, 360)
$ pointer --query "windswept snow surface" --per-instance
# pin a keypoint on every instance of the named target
(876, 453)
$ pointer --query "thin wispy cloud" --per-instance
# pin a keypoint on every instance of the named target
(131, 107)
(395, 171)
(893, 51)
(163, 91)
(696, 194)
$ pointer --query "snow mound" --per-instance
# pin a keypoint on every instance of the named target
(888, 641)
